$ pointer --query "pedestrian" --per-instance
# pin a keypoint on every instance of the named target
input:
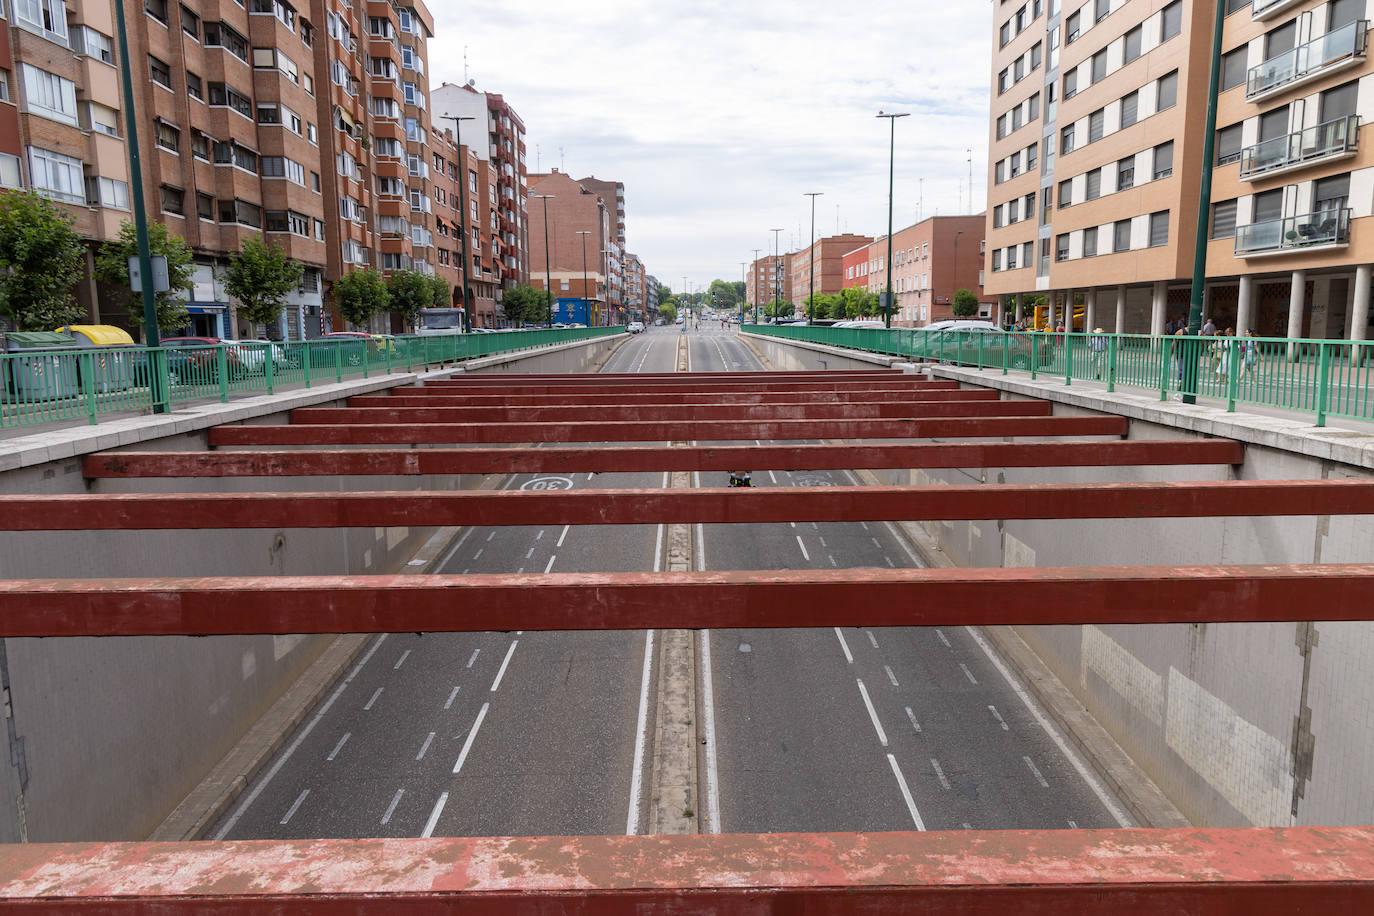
(1177, 363)
(1221, 353)
(1097, 345)
(1249, 354)
(1208, 328)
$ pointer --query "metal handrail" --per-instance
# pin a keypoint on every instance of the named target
(1346, 42)
(1340, 135)
(1324, 227)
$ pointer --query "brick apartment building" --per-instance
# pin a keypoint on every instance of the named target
(613, 193)
(855, 264)
(634, 286)
(1095, 161)
(572, 207)
(930, 260)
(827, 255)
(768, 278)
(480, 195)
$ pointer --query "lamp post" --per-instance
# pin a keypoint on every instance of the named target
(548, 274)
(584, 233)
(777, 274)
(954, 271)
(891, 171)
(811, 271)
(756, 285)
(744, 279)
(463, 206)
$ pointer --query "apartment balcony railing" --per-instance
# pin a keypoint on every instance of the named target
(1307, 232)
(1263, 9)
(1333, 51)
(1336, 139)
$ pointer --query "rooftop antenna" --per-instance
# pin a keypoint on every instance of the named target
(970, 179)
(837, 219)
(537, 166)
(560, 160)
(920, 199)
(466, 81)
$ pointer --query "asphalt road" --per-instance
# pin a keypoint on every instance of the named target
(549, 733)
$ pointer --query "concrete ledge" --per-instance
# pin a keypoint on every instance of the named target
(501, 360)
(878, 360)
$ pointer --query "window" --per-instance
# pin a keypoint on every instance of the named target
(1268, 206)
(1001, 126)
(1234, 65)
(315, 182)
(1167, 96)
(1100, 65)
(1066, 140)
(1224, 219)
(55, 175)
(269, 113)
(1016, 121)
(1030, 156)
(1036, 52)
(1331, 194)
(1033, 103)
(1164, 160)
(159, 72)
(1071, 28)
(1019, 69)
(1071, 84)
(1066, 193)
(1132, 44)
(1061, 247)
(1005, 34)
(157, 9)
(1130, 107)
(190, 23)
(997, 217)
(167, 136)
(49, 95)
(240, 211)
(1343, 12)
(1233, 6)
(1121, 235)
(217, 34)
(1228, 144)
(48, 17)
(231, 153)
(173, 200)
(1171, 21)
(86, 40)
(999, 174)
(1280, 40)
(106, 192)
(200, 145)
(282, 167)
(227, 96)
(1125, 173)
(1093, 189)
(194, 88)
(1090, 242)
(1011, 257)
(1159, 228)
(100, 118)
(1096, 123)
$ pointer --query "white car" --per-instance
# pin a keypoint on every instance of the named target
(634, 327)
(960, 324)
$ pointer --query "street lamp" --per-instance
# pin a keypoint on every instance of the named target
(891, 170)
(548, 273)
(584, 233)
(463, 206)
(777, 274)
(744, 279)
(756, 285)
(954, 271)
(811, 297)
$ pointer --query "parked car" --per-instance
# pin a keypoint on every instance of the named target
(634, 327)
(370, 347)
(195, 360)
(991, 345)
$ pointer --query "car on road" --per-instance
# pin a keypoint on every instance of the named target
(982, 343)
(634, 327)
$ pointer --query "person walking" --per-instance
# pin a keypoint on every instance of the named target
(1208, 328)
(1249, 354)
(1097, 346)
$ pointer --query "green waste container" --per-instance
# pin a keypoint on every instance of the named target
(46, 374)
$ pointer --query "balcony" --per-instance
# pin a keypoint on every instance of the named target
(1338, 139)
(1330, 53)
(1266, 9)
(1308, 233)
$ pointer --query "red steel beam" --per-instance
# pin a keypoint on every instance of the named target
(1256, 872)
(633, 378)
(301, 462)
(719, 505)
(409, 398)
(647, 600)
(595, 386)
(623, 431)
(647, 412)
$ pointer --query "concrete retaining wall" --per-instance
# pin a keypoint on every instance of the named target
(106, 736)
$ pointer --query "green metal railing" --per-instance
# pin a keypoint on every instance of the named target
(1323, 377)
(41, 386)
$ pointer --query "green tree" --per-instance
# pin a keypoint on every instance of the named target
(858, 302)
(526, 304)
(667, 312)
(725, 295)
(41, 259)
(407, 293)
(665, 292)
(360, 295)
(778, 309)
(964, 304)
(112, 268)
(441, 293)
(260, 276)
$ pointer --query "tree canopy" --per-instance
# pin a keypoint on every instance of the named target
(408, 292)
(964, 304)
(112, 268)
(41, 260)
(260, 276)
(526, 305)
(360, 295)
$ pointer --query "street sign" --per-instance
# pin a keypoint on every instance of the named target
(160, 283)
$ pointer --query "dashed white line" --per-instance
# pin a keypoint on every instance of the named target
(889, 562)
(504, 662)
(709, 723)
(295, 806)
(472, 658)
(967, 673)
(774, 477)
(872, 713)
(871, 638)
(454, 549)
(489, 537)
(373, 699)
(822, 540)
(864, 525)
(467, 745)
(391, 808)
(478, 553)
(1039, 777)
(401, 661)
(877, 543)
(529, 553)
(434, 816)
(451, 696)
(890, 676)
(551, 560)
(943, 638)
(1073, 824)
(805, 555)
(1000, 721)
(848, 657)
(566, 528)
(939, 773)
(425, 747)
(832, 560)
(912, 716)
(338, 747)
(540, 535)
(906, 793)
(658, 550)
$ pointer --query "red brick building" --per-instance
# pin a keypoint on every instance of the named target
(827, 255)
(571, 259)
(855, 265)
(930, 260)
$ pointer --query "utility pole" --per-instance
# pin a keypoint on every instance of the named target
(548, 272)
(811, 297)
(584, 233)
(891, 171)
(756, 285)
(777, 273)
(463, 205)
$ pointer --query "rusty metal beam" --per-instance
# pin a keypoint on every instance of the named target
(1257, 872)
(301, 462)
(189, 511)
(626, 431)
(726, 599)
(632, 379)
(593, 386)
(651, 412)
(409, 398)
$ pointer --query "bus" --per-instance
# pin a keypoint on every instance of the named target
(442, 321)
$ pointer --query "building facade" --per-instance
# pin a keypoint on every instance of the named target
(769, 278)
(1095, 162)
(613, 247)
(930, 260)
(826, 258)
(579, 223)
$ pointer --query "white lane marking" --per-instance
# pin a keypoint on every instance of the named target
(466, 571)
(489, 537)
(805, 555)
(877, 543)
(1084, 772)
(529, 553)
(520, 570)
(550, 564)
(871, 638)
(451, 696)
(478, 553)
(943, 638)
(295, 806)
(822, 540)
(701, 548)
(889, 562)
(901, 542)
(373, 699)
(540, 535)
(1073, 824)
(709, 702)
(401, 661)
(591, 474)
(425, 747)
(504, 662)
(1039, 777)
(658, 550)
(472, 736)
(473, 657)
(454, 549)
(912, 716)
(641, 727)
(939, 773)
(774, 477)
(366, 658)
(566, 528)
(966, 825)
(832, 560)
(968, 674)
(338, 747)
(1000, 721)
(872, 713)
(865, 525)
(793, 524)
(391, 808)
(434, 816)
(849, 659)
(890, 676)
(906, 793)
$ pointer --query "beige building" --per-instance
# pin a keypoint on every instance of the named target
(1095, 162)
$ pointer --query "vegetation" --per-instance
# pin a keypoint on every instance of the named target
(667, 312)
(41, 259)
(778, 309)
(260, 277)
(360, 295)
(526, 305)
(964, 304)
(112, 268)
(441, 293)
(408, 292)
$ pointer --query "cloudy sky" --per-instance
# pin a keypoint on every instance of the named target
(719, 116)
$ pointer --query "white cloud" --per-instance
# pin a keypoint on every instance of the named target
(719, 117)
